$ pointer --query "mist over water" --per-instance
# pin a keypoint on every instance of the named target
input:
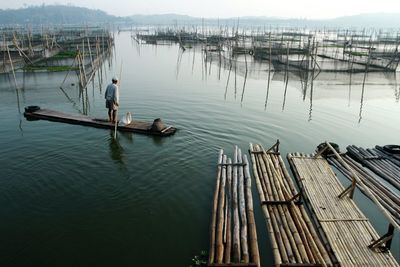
(72, 195)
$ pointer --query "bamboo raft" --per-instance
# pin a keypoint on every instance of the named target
(233, 235)
(135, 126)
(343, 227)
(395, 158)
(294, 239)
(380, 163)
(390, 199)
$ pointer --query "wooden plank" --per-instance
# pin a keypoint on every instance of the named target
(135, 126)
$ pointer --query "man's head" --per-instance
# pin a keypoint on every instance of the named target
(114, 79)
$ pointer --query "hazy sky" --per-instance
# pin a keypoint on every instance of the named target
(228, 8)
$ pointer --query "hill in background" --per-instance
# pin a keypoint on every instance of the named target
(61, 14)
(54, 14)
(378, 20)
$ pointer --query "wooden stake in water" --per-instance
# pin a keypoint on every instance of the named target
(116, 111)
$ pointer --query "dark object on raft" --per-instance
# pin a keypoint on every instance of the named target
(327, 152)
(393, 149)
(143, 127)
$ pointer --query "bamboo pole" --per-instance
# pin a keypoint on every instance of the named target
(367, 191)
(221, 215)
(211, 258)
(274, 243)
(295, 234)
(269, 68)
(12, 66)
(73, 63)
(236, 249)
(254, 253)
(116, 111)
(242, 212)
(228, 220)
(278, 231)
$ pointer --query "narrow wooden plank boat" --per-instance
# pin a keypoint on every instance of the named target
(142, 127)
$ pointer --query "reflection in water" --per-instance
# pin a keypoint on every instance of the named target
(178, 61)
(19, 110)
(269, 72)
(362, 98)
(116, 150)
(194, 57)
(312, 90)
(285, 91)
(219, 65)
(245, 79)
(227, 80)
(235, 79)
(349, 98)
(127, 136)
(314, 83)
(396, 90)
(311, 100)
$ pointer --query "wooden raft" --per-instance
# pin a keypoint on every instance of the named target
(341, 224)
(294, 239)
(135, 126)
(233, 236)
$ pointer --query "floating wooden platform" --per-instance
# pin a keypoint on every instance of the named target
(233, 235)
(135, 126)
(294, 238)
(342, 225)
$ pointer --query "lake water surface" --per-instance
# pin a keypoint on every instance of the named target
(72, 196)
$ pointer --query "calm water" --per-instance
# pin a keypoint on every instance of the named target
(71, 196)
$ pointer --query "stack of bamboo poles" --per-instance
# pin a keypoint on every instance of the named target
(342, 226)
(294, 239)
(395, 158)
(389, 199)
(379, 163)
(233, 236)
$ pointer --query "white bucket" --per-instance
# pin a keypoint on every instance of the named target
(126, 119)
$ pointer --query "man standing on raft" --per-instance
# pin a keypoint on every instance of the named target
(112, 99)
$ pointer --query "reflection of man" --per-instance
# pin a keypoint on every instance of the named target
(112, 99)
(116, 150)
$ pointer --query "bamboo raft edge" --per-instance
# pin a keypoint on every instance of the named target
(135, 126)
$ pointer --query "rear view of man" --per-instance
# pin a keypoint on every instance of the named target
(112, 99)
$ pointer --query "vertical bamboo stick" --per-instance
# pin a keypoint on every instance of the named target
(242, 212)
(236, 223)
(254, 253)
(221, 215)
(211, 257)
(12, 66)
(228, 241)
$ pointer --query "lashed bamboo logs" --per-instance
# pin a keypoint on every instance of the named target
(233, 236)
(293, 237)
(236, 223)
(341, 224)
(378, 163)
(389, 199)
(214, 211)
